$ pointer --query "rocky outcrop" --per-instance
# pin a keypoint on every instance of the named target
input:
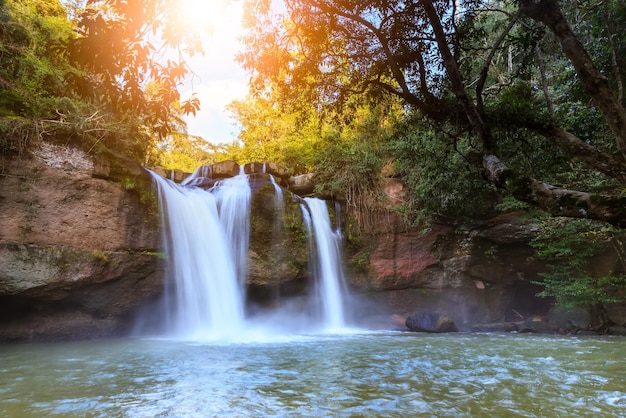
(79, 253)
(279, 254)
(481, 273)
(78, 244)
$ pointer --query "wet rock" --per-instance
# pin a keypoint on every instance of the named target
(398, 322)
(302, 185)
(430, 322)
(536, 327)
(225, 169)
(78, 252)
(202, 182)
(586, 332)
(277, 171)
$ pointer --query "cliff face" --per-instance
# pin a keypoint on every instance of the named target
(79, 253)
(78, 250)
(479, 274)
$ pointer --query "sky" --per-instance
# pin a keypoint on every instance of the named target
(219, 79)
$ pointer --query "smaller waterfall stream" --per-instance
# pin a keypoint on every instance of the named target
(328, 266)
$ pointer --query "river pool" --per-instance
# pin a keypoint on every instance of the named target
(350, 375)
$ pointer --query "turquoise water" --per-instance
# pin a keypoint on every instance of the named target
(356, 375)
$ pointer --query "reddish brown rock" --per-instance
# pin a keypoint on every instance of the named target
(225, 169)
(77, 251)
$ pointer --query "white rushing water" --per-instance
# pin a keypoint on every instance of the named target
(206, 238)
(328, 264)
(233, 200)
(207, 297)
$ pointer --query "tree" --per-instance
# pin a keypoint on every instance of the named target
(440, 58)
(122, 46)
(99, 74)
(571, 248)
(32, 65)
(272, 133)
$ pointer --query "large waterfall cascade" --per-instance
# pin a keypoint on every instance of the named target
(206, 239)
(205, 299)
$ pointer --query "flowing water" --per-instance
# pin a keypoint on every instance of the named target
(199, 252)
(328, 263)
(353, 375)
(213, 361)
(206, 238)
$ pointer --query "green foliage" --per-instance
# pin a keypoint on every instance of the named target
(438, 174)
(32, 65)
(349, 160)
(101, 255)
(570, 247)
(494, 81)
(272, 133)
(86, 73)
(120, 66)
(509, 203)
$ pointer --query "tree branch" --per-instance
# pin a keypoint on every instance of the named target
(475, 117)
(581, 150)
(594, 83)
(485, 70)
(555, 200)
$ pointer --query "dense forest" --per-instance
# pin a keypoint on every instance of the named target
(478, 106)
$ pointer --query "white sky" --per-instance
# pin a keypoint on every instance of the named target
(219, 79)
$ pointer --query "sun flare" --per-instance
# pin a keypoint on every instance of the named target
(208, 15)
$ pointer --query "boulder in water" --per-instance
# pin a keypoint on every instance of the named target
(430, 322)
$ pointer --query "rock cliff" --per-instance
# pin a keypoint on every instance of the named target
(80, 252)
(78, 244)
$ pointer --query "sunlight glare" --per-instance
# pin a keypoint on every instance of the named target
(207, 15)
(219, 78)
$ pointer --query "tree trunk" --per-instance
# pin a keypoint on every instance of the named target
(474, 116)
(581, 150)
(555, 200)
(594, 83)
(598, 317)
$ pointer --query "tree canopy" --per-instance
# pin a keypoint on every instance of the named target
(530, 102)
(99, 73)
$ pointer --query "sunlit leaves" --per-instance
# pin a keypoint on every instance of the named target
(122, 46)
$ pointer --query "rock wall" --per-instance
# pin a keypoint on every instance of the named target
(475, 274)
(78, 248)
(79, 253)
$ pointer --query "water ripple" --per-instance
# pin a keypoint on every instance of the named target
(339, 376)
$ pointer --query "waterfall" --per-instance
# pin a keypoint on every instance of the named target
(206, 235)
(328, 264)
(233, 197)
(206, 299)
(279, 204)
